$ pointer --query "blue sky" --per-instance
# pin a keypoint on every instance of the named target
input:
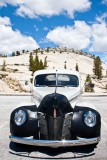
(31, 24)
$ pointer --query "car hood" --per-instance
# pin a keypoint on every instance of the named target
(70, 92)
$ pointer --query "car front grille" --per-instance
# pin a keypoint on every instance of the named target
(57, 128)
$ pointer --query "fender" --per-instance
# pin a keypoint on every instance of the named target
(85, 104)
(21, 104)
(79, 128)
(31, 125)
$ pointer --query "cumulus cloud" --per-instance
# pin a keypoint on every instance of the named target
(2, 4)
(101, 18)
(11, 2)
(81, 36)
(11, 40)
(77, 36)
(99, 33)
(32, 8)
(5, 21)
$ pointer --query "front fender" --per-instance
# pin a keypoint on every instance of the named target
(86, 104)
(30, 127)
(79, 128)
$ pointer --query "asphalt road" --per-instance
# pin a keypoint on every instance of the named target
(9, 151)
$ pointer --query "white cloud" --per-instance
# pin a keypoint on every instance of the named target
(2, 4)
(81, 36)
(101, 18)
(77, 36)
(99, 33)
(25, 11)
(35, 8)
(5, 21)
(11, 40)
(11, 2)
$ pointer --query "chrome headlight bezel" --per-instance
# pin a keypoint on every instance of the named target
(20, 117)
(90, 118)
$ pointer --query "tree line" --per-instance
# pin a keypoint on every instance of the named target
(36, 63)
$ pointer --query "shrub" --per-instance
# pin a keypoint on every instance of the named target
(15, 70)
(3, 66)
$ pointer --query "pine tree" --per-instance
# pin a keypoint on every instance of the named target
(97, 69)
(17, 53)
(36, 51)
(65, 49)
(77, 69)
(48, 49)
(45, 62)
(23, 51)
(41, 52)
(4, 66)
(106, 73)
(65, 67)
(13, 54)
(37, 65)
(87, 82)
(31, 62)
(41, 66)
(106, 87)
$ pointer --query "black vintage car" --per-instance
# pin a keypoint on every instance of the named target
(57, 116)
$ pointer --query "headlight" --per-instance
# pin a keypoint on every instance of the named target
(90, 119)
(20, 117)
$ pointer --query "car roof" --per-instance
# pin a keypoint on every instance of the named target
(64, 71)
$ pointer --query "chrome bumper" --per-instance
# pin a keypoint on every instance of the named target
(55, 144)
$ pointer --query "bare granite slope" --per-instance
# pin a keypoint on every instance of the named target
(17, 68)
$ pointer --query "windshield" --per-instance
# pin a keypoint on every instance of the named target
(52, 80)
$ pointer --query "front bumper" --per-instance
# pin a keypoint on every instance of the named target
(55, 144)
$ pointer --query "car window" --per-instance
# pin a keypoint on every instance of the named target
(45, 80)
(59, 80)
(68, 80)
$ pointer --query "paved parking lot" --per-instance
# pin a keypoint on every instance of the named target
(9, 151)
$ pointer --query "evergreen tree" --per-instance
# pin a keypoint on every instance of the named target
(41, 52)
(48, 49)
(13, 54)
(23, 51)
(45, 62)
(31, 62)
(106, 87)
(3, 66)
(17, 53)
(41, 66)
(36, 51)
(37, 63)
(87, 82)
(65, 49)
(77, 69)
(97, 69)
(65, 67)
